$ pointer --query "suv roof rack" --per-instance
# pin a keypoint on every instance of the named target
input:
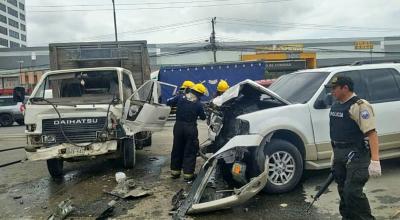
(362, 62)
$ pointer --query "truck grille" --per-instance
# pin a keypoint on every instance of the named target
(78, 130)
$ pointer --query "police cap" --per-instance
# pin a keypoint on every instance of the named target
(341, 81)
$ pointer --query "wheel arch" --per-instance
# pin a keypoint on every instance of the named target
(291, 137)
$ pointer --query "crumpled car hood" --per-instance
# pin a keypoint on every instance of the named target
(234, 92)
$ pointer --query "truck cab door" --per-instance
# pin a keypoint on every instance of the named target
(143, 110)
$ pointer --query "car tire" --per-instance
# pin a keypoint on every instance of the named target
(6, 120)
(285, 168)
(55, 167)
(20, 121)
(128, 153)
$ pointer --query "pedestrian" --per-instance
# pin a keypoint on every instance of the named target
(222, 86)
(185, 143)
(355, 148)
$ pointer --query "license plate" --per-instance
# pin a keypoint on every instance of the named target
(75, 150)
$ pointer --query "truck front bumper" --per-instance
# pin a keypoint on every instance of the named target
(66, 150)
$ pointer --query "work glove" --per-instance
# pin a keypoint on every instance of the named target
(374, 168)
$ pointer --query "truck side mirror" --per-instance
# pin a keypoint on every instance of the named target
(19, 94)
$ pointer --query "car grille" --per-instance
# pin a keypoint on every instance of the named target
(78, 130)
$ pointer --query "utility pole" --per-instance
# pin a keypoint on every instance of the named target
(20, 71)
(115, 22)
(212, 39)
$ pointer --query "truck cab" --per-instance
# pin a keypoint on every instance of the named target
(78, 114)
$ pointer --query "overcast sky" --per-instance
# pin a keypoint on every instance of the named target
(190, 20)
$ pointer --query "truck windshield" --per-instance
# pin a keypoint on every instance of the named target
(298, 87)
(86, 86)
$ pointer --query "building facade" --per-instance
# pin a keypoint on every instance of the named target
(24, 66)
(13, 32)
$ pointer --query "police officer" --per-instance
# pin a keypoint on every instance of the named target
(355, 148)
(186, 144)
(222, 86)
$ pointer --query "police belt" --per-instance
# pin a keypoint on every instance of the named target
(346, 145)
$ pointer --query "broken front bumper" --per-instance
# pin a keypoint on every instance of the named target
(193, 202)
(238, 197)
(70, 151)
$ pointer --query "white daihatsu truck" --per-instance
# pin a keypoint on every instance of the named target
(84, 113)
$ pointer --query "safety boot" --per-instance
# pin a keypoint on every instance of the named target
(175, 174)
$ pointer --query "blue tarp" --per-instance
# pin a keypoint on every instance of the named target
(210, 74)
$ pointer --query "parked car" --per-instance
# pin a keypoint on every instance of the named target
(11, 111)
(279, 132)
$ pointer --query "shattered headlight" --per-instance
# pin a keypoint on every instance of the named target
(242, 127)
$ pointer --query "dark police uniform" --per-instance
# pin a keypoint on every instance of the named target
(186, 144)
(349, 121)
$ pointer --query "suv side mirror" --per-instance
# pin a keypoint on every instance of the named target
(324, 103)
(19, 94)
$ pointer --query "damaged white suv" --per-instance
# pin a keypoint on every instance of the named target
(263, 139)
(80, 114)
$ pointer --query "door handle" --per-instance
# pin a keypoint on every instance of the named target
(162, 118)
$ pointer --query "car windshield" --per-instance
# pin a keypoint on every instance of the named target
(82, 86)
(298, 87)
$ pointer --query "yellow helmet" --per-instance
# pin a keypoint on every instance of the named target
(187, 84)
(222, 86)
(200, 88)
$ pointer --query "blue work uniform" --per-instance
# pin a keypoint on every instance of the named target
(186, 144)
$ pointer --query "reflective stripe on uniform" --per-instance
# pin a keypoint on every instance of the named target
(175, 172)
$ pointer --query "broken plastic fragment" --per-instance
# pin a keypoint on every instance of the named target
(64, 208)
(283, 205)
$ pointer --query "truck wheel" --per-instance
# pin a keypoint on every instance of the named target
(128, 153)
(143, 139)
(6, 120)
(55, 167)
(20, 121)
(285, 166)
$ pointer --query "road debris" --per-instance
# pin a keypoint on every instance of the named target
(283, 205)
(177, 199)
(17, 197)
(109, 211)
(396, 214)
(64, 208)
(120, 177)
(128, 189)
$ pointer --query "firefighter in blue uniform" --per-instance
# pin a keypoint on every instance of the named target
(185, 144)
(353, 132)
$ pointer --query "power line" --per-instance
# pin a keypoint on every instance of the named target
(158, 8)
(305, 25)
(149, 29)
(157, 28)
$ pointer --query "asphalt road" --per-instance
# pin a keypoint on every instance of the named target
(27, 191)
